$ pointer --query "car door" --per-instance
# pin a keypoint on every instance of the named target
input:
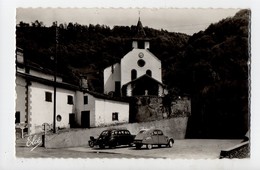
(161, 138)
(127, 137)
(154, 137)
(121, 137)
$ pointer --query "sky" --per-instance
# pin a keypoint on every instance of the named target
(187, 21)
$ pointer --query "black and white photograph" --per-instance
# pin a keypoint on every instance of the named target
(128, 85)
(132, 83)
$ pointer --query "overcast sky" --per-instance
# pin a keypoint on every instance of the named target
(187, 21)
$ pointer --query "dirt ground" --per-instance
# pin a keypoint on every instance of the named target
(182, 149)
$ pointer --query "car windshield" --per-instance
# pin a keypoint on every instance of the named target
(142, 131)
(105, 133)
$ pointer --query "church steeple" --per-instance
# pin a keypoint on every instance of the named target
(140, 30)
(140, 41)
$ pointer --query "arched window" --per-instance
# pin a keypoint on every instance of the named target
(133, 74)
(149, 73)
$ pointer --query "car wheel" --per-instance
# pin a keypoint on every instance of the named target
(91, 144)
(138, 146)
(111, 146)
(170, 144)
(149, 146)
(101, 146)
(130, 144)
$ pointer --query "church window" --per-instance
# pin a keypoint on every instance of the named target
(141, 55)
(140, 44)
(141, 63)
(133, 74)
(149, 73)
(117, 88)
(85, 99)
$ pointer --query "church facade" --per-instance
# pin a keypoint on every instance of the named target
(139, 73)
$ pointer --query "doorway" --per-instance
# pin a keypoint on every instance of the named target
(85, 119)
(72, 120)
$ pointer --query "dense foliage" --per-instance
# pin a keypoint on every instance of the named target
(212, 65)
(215, 68)
(89, 49)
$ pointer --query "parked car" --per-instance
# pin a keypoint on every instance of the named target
(112, 138)
(151, 137)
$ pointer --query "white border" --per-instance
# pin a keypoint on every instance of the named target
(7, 93)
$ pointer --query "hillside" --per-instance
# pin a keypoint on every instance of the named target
(89, 49)
(214, 67)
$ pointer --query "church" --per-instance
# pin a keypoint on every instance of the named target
(139, 72)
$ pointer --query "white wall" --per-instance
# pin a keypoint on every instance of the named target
(129, 90)
(160, 90)
(20, 106)
(79, 105)
(134, 44)
(63, 108)
(129, 62)
(90, 107)
(105, 108)
(45, 76)
(41, 111)
(146, 44)
(110, 77)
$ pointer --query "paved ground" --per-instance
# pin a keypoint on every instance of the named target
(187, 148)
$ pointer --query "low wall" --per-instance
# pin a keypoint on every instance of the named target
(175, 127)
(239, 151)
(150, 108)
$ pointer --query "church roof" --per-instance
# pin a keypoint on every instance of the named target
(140, 33)
(145, 76)
(106, 97)
(140, 29)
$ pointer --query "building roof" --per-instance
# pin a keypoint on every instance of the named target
(142, 77)
(68, 87)
(106, 97)
(64, 85)
(140, 29)
(140, 33)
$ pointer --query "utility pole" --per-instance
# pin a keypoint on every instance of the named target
(55, 77)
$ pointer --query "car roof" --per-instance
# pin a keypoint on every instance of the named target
(113, 129)
(149, 130)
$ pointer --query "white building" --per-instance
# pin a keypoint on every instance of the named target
(102, 110)
(75, 107)
(138, 73)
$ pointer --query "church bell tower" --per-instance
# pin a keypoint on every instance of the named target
(140, 41)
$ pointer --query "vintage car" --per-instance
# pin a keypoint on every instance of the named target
(151, 137)
(112, 138)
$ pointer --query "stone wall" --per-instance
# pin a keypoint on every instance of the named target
(151, 108)
(174, 127)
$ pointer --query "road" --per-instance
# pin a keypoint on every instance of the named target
(182, 149)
